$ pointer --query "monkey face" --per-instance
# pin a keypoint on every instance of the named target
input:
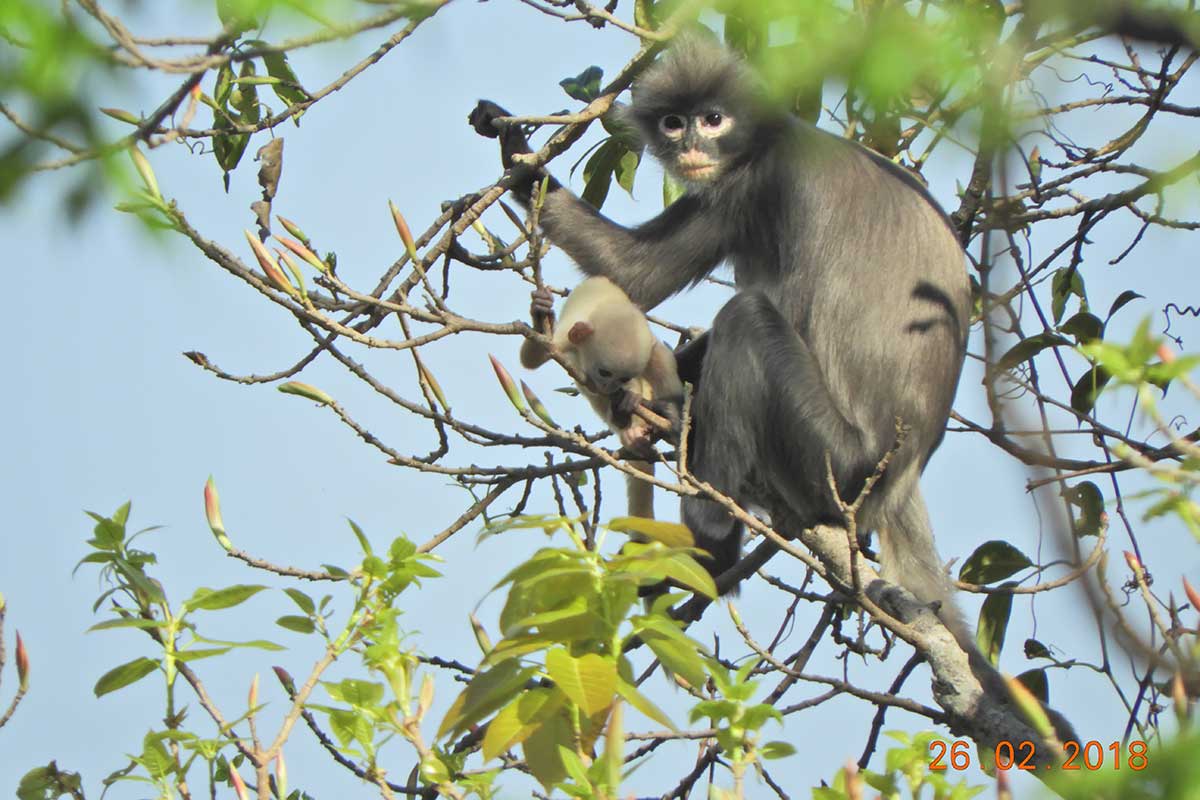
(609, 381)
(691, 145)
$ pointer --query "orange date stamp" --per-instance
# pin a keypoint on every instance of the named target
(1090, 755)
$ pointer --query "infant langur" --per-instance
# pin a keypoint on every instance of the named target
(603, 335)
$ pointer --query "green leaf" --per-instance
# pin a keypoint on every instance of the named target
(1122, 299)
(772, 750)
(993, 624)
(154, 758)
(685, 570)
(144, 624)
(302, 600)
(358, 693)
(1066, 282)
(541, 750)
(598, 172)
(573, 765)
(678, 654)
(1087, 389)
(589, 681)
(228, 148)
(200, 653)
(362, 538)
(626, 169)
(1029, 347)
(993, 561)
(584, 87)
(756, 716)
(672, 190)
(486, 692)
(122, 676)
(631, 695)
(49, 783)
(671, 534)
(288, 89)
(1035, 681)
(217, 599)
(1084, 326)
(517, 721)
(296, 624)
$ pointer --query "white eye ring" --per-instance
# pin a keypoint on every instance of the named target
(714, 124)
(672, 126)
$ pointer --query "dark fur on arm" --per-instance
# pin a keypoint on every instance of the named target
(650, 262)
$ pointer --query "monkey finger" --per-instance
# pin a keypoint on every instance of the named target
(542, 303)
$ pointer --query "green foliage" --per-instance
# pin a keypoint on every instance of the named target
(993, 623)
(1168, 770)
(1145, 363)
(560, 670)
(907, 766)
(738, 722)
(993, 561)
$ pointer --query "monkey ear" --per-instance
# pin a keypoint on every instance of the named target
(580, 332)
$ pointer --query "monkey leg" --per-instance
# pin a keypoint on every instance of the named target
(764, 407)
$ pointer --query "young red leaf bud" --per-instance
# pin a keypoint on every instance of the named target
(1166, 353)
(252, 696)
(121, 115)
(292, 228)
(304, 390)
(405, 234)
(1179, 699)
(274, 274)
(281, 774)
(535, 403)
(506, 383)
(434, 386)
(308, 255)
(239, 785)
(1133, 562)
(285, 680)
(481, 637)
(1192, 595)
(212, 511)
(143, 167)
(22, 663)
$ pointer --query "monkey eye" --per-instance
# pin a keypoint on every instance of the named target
(713, 119)
(672, 124)
(603, 373)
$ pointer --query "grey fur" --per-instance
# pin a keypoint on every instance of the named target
(852, 307)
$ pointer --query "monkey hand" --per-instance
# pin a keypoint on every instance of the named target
(541, 310)
(636, 438)
(625, 401)
(672, 412)
(483, 118)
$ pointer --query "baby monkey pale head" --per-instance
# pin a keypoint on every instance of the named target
(613, 347)
(694, 109)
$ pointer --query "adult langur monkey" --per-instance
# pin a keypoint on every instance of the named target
(851, 311)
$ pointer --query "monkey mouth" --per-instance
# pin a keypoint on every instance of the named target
(698, 172)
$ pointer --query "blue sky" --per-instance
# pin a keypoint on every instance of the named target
(102, 407)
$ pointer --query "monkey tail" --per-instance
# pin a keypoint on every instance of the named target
(908, 558)
(640, 493)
